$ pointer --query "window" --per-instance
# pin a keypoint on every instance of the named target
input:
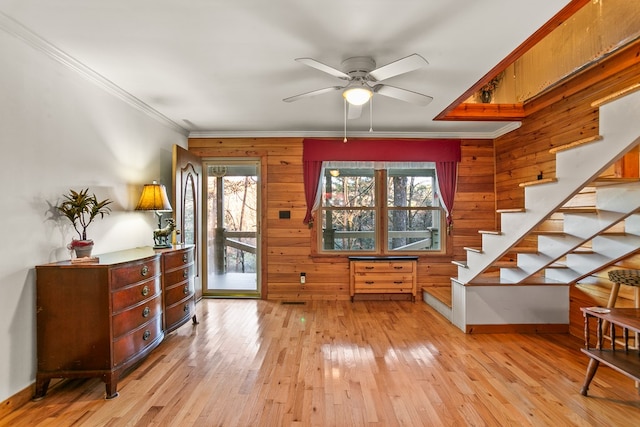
(382, 208)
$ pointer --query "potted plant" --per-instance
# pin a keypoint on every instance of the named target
(82, 209)
(486, 92)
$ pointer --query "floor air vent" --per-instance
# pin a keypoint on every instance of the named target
(294, 302)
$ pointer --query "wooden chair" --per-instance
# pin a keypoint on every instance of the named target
(623, 277)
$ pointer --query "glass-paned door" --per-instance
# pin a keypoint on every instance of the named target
(233, 238)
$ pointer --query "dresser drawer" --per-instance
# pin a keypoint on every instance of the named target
(383, 267)
(135, 272)
(177, 276)
(132, 318)
(127, 297)
(175, 314)
(178, 259)
(135, 342)
(178, 292)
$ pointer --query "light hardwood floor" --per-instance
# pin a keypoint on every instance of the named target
(375, 363)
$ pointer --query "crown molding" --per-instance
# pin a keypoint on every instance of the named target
(21, 32)
(408, 135)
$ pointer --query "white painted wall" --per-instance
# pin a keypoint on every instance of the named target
(59, 131)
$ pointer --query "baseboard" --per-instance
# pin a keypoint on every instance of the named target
(16, 401)
(518, 329)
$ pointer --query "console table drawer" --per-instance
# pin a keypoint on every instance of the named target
(381, 282)
(383, 267)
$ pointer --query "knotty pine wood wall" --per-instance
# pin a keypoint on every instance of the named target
(561, 116)
(287, 243)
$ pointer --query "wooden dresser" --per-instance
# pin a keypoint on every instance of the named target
(97, 320)
(383, 275)
(178, 291)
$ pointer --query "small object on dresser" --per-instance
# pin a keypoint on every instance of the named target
(85, 260)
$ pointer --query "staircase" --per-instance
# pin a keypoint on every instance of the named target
(521, 274)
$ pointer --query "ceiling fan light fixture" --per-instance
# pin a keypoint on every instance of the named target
(357, 95)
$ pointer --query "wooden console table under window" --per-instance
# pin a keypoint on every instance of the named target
(619, 355)
(383, 275)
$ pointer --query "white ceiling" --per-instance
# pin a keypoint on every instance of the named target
(222, 67)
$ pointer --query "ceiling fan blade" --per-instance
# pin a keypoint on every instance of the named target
(323, 67)
(353, 111)
(401, 66)
(312, 93)
(403, 95)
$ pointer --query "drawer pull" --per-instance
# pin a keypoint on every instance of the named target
(185, 258)
(145, 291)
(398, 267)
(146, 312)
(369, 282)
(146, 335)
(398, 282)
(145, 270)
(186, 290)
(368, 267)
(186, 308)
(185, 274)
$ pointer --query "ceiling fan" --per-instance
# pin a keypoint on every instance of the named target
(363, 80)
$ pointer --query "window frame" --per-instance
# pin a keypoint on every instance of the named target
(381, 220)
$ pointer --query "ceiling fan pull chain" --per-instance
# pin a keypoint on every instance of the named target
(345, 120)
(371, 114)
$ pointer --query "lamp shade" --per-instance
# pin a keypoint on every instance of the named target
(154, 198)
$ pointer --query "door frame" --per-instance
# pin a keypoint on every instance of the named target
(260, 168)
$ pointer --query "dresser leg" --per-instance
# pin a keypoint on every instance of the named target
(111, 386)
(591, 372)
(42, 384)
(194, 319)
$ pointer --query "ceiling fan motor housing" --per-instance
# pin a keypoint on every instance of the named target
(358, 67)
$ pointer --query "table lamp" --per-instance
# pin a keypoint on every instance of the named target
(154, 198)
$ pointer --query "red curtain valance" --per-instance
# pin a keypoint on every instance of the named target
(389, 150)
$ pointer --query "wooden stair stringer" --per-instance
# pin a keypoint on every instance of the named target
(581, 228)
(608, 250)
(575, 168)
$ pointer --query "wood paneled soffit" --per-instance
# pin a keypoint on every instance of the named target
(462, 110)
(486, 112)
